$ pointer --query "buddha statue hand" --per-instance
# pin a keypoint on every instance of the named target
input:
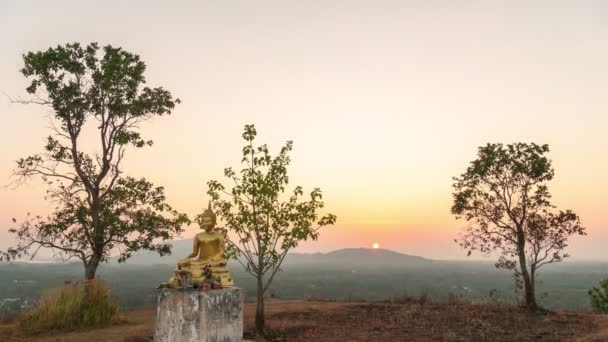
(184, 262)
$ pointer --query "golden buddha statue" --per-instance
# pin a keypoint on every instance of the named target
(208, 251)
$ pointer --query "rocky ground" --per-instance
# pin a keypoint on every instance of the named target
(373, 321)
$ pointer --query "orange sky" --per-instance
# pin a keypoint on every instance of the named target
(385, 101)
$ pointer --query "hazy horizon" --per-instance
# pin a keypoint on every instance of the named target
(385, 103)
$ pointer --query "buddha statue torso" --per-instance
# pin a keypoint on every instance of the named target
(207, 251)
(208, 246)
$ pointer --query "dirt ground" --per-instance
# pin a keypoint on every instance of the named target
(374, 321)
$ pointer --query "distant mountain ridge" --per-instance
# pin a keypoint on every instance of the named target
(357, 257)
(340, 257)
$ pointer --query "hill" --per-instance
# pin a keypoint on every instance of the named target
(350, 257)
(342, 257)
(411, 320)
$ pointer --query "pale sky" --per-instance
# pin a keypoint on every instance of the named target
(385, 101)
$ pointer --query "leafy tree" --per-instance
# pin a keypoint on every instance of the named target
(504, 197)
(98, 209)
(599, 297)
(265, 221)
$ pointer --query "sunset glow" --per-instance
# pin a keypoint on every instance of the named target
(385, 103)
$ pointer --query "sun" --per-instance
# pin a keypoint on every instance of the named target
(376, 245)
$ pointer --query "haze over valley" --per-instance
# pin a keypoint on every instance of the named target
(345, 275)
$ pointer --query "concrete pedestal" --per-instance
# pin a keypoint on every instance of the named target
(193, 316)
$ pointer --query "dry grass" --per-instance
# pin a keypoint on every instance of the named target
(375, 321)
(71, 307)
(420, 322)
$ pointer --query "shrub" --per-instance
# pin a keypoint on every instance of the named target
(404, 298)
(599, 297)
(423, 298)
(71, 307)
(455, 299)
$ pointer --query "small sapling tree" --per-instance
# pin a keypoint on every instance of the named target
(266, 221)
(599, 297)
(97, 209)
(505, 200)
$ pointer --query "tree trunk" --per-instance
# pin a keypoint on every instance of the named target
(90, 269)
(259, 312)
(530, 297)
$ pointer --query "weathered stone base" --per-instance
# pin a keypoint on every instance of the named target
(192, 315)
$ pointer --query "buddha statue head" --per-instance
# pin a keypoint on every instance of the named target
(208, 219)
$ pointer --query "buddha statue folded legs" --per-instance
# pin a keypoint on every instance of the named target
(207, 251)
